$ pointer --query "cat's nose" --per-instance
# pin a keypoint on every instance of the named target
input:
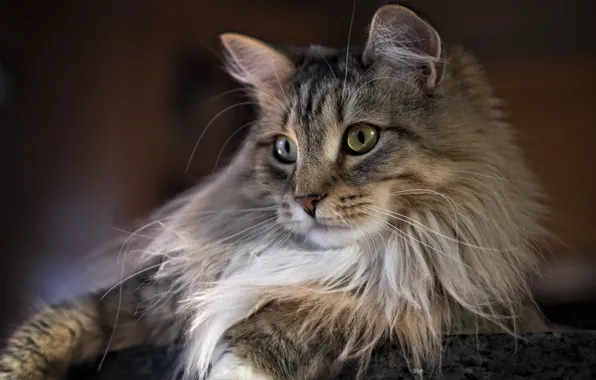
(309, 202)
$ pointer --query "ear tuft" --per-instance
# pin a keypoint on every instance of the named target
(399, 37)
(255, 63)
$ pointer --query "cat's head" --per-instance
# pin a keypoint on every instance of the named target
(352, 143)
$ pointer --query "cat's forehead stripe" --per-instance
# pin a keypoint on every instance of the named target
(322, 94)
(318, 105)
(331, 144)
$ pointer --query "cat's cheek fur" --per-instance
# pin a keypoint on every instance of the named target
(231, 367)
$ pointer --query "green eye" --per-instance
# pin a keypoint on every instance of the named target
(284, 150)
(361, 138)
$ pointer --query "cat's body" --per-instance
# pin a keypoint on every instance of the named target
(380, 195)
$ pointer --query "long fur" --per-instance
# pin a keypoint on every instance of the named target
(462, 251)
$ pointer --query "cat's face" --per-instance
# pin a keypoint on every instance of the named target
(335, 154)
(340, 135)
(351, 146)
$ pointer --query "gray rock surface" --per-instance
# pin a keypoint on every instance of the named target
(535, 356)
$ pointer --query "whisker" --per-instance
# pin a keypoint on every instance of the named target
(129, 278)
(384, 224)
(282, 240)
(391, 229)
(451, 202)
(280, 85)
(367, 243)
(228, 140)
(193, 214)
(348, 46)
(221, 95)
(214, 243)
(127, 232)
(491, 176)
(432, 192)
(194, 149)
(227, 238)
(390, 78)
(105, 354)
(407, 236)
(328, 65)
(120, 294)
(415, 223)
(119, 306)
(270, 230)
(271, 96)
(220, 212)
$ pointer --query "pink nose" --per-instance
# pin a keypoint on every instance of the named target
(309, 202)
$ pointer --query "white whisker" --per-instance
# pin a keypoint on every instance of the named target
(414, 223)
(194, 149)
(129, 278)
(491, 177)
(432, 192)
(328, 65)
(408, 237)
(250, 123)
(348, 46)
(222, 94)
(407, 83)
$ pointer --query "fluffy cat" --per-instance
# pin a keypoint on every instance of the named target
(380, 195)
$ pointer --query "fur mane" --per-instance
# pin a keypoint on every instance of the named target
(465, 253)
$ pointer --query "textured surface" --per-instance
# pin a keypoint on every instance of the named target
(537, 356)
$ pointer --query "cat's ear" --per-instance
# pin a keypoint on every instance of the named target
(255, 63)
(399, 37)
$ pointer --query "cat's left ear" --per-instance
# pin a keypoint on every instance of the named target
(255, 63)
(399, 38)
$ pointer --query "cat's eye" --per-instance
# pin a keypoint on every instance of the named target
(361, 138)
(284, 150)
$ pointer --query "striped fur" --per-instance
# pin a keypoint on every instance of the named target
(433, 230)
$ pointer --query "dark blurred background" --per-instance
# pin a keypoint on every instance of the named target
(101, 103)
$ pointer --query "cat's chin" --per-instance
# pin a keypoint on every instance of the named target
(324, 235)
(333, 237)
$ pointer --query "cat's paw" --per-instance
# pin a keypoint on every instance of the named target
(25, 365)
(231, 367)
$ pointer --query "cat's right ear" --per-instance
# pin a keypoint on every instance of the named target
(256, 64)
(398, 37)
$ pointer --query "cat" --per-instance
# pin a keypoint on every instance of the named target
(380, 195)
